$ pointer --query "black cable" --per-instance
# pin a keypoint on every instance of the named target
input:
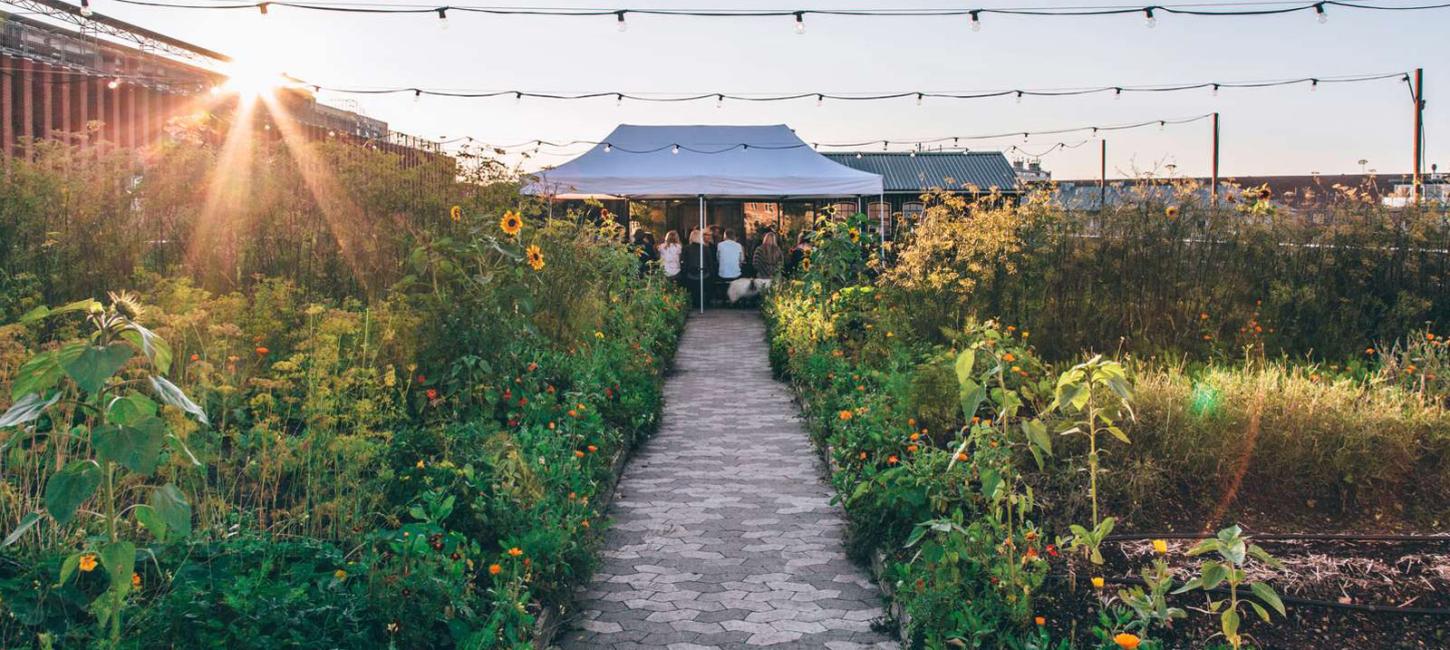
(1222, 10)
(1285, 537)
(1307, 602)
(822, 96)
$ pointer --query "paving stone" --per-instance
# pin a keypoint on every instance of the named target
(723, 534)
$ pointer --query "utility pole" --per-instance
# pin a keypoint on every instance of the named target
(1103, 175)
(1214, 186)
(1418, 90)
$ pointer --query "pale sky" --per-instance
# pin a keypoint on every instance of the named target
(1267, 131)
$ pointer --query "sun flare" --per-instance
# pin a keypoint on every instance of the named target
(250, 80)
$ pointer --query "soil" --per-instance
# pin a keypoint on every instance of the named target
(1389, 574)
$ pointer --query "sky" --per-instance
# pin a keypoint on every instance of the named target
(1287, 130)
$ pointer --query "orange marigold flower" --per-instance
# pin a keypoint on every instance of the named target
(1127, 641)
(432, 393)
(592, 449)
(261, 351)
(915, 437)
(136, 580)
(515, 552)
(911, 422)
(196, 357)
(892, 460)
(88, 562)
(1009, 357)
(911, 448)
(578, 454)
(962, 456)
(845, 414)
(862, 456)
(573, 413)
(494, 569)
(1098, 582)
(1040, 621)
(1369, 350)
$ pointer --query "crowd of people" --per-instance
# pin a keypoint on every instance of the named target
(717, 256)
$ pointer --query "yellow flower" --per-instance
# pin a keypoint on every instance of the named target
(855, 234)
(494, 569)
(339, 574)
(599, 334)
(1127, 641)
(511, 223)
(1160, 547)
(515, 552)
(1097, 582)
(806, 263)
(419, 464)
(1172, 211)
(535, 257)
(456, 213)
(88, 562)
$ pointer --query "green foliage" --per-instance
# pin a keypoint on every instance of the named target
(1235, 555)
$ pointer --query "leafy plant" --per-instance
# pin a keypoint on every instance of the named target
(102, 429)
(1081, 393)
(1235, 555)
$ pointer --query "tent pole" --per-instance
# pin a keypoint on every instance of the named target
(884, 211)
(702, 253)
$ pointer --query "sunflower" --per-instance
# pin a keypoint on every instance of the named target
(535, 257)
(806, 263)
(456, 213)
(511, 223)
(855, 235)
(126, 303)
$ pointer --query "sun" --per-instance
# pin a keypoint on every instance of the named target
(250, 80)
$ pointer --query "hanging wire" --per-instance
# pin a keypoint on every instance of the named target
(917, 144)
(667, 98)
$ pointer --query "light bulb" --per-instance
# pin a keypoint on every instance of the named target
(608, 147)
(1320, 13)
(620, 22)
(918, 99)
(885, 144)
(1313, 85)
(719, 101)
(1148, 18)
(443, 19)
(1215, 90)
(913, 154)
(1162, 125)
(618, 99)
(675, 149)
(417, 95)
(976, 22)
(86, 8)
(800, 22)
(518, 98)
(113, 84)
(1117, 93)
(820, 99)
(1019, 97)
(858, 155)
(263, 8)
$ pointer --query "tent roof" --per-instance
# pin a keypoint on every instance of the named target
(715, 161)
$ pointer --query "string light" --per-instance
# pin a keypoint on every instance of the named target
(800, 22)
(86, 8)
(1019, 97)
(608, 147)
(1313, 85)
(619, 20)
(113, 84)
(1202, 9)
(719, 101)
(417, 95)
(675, 149)
(618, 99)
(918, 99)
(443, 18)
(820, 97)
(1148, 18)
(518, 98)
(262, 7)
(1320, 13)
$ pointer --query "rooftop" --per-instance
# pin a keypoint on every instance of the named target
(905, 172)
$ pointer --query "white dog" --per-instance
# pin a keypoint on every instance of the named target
(743, 288)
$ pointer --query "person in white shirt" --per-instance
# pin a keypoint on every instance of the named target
(670, 255)
(731, 255)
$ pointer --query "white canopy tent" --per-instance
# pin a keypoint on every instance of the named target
(702, 161)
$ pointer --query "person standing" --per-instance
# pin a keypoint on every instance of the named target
(768, 257)
(799, 252)
(669, 255)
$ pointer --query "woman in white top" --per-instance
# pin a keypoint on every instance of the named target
(670, 254)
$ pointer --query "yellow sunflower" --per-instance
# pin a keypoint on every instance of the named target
(511, 223)
(535, 257)
(456, 213)
(806, 263)
(855, 235)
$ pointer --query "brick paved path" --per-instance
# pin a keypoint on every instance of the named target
(723, 534)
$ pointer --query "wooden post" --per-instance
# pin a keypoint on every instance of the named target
(47, 102)
(1103, 175)
(1419, 95)
(27, 101)
(65, 124)
(1214, 187)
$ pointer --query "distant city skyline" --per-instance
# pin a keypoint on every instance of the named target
(1264, 131)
